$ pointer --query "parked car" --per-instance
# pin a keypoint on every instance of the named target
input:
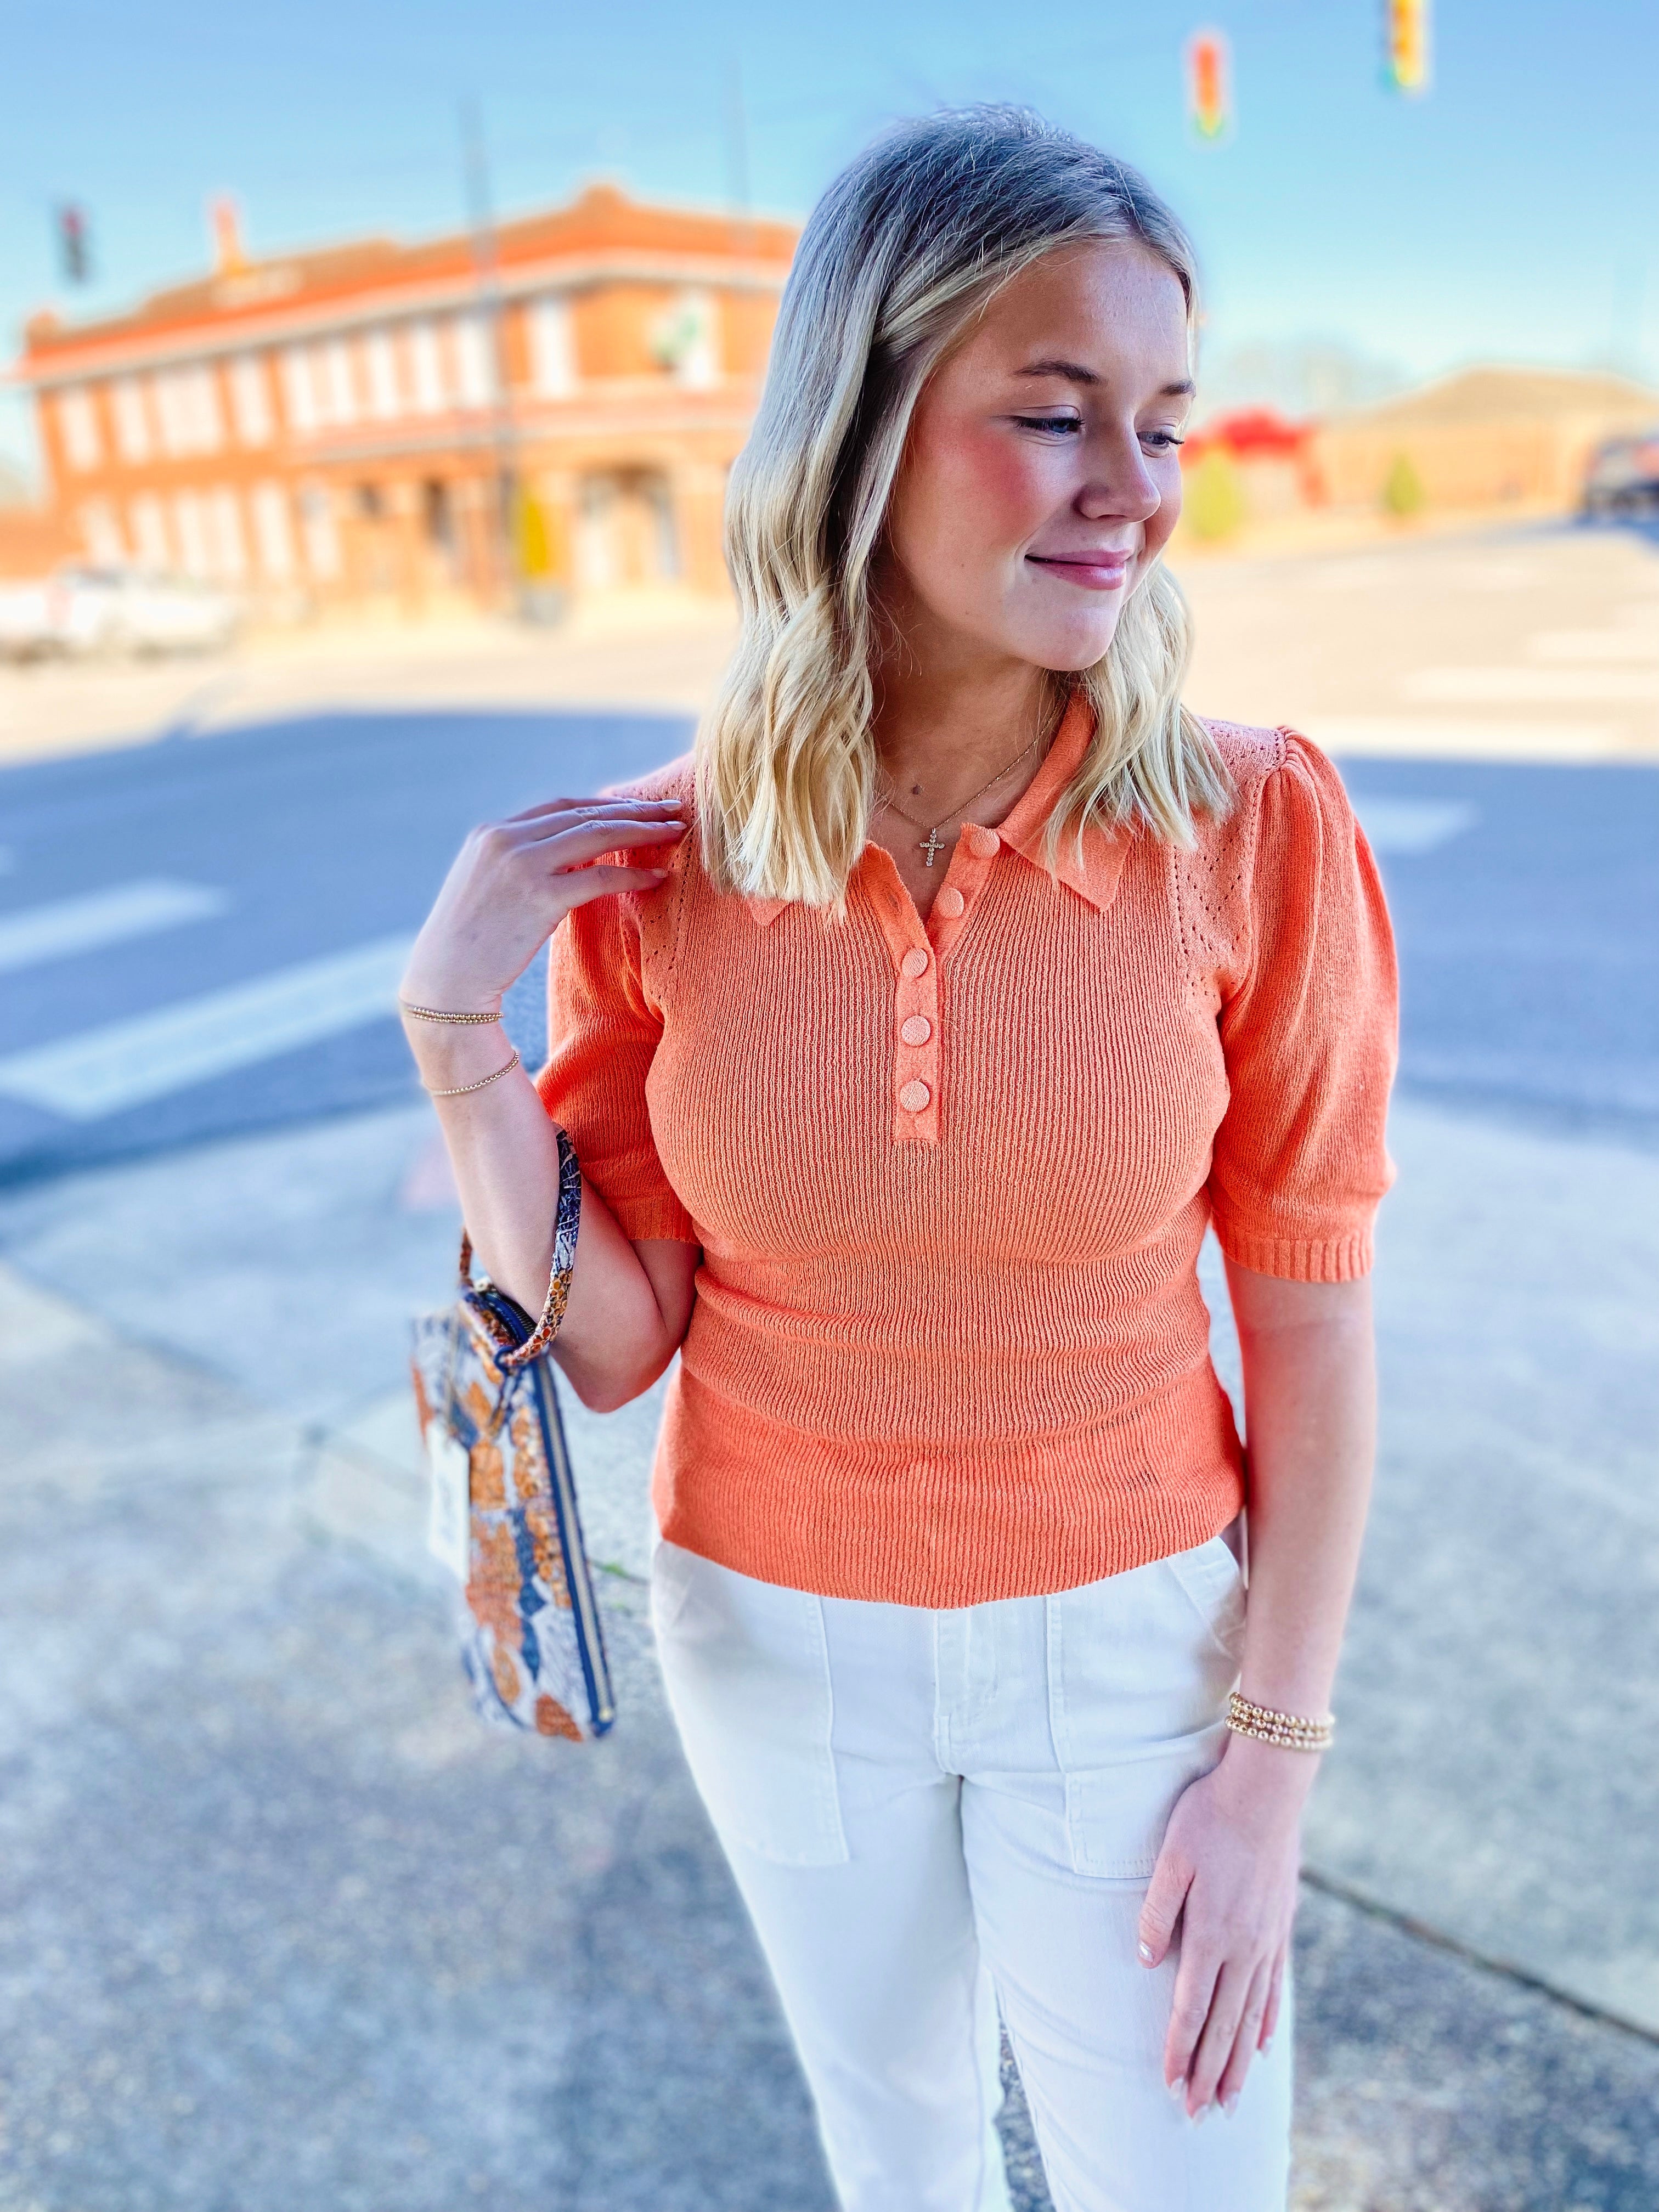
(81, 609)
(1622, 476)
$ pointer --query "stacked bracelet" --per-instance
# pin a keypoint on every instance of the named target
(1288, 1730)
(461, 1089)
(436, 1014)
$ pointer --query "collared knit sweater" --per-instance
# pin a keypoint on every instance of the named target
(950, 1179)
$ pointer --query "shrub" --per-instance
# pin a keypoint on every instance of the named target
(1402, 488)
(1215, 502)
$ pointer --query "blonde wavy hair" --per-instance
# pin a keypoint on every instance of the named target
(899, 256)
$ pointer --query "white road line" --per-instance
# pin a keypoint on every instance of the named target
(107, 1070)
(1426, 737)
(1413, 825)
(1519, 686)
(80, 925)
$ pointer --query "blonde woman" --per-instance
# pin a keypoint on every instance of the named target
(910, 1039)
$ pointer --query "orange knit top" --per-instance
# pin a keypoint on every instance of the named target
(950, 1179)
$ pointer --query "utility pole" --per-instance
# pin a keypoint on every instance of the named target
(486, 270)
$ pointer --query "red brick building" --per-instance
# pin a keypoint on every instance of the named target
(557, 404)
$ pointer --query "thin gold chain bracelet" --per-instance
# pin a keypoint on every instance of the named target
(461, 1089)
(1290, 1731)
(437, 1014)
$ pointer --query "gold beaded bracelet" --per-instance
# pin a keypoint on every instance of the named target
(462, 1089)
(1288, 1730)
(435, 1014)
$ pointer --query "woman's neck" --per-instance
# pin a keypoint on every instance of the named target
(949, 714)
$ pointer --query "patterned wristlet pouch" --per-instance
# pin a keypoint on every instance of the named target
(503, 1517)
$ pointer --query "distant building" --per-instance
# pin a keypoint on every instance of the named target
(1484, 438)
(558, 406)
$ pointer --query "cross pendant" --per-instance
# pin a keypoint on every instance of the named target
(930, 844)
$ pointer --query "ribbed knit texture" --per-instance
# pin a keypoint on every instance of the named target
(948, 1342)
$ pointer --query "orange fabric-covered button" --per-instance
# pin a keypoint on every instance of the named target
(914, 1096)
(917, 1029)
(950, 902)
(914, 962)
(983, 842)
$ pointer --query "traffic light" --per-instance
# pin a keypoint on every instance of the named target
(74, 247)
(1405, 45)
(1209, 84)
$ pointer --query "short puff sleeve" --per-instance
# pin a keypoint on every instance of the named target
(603, 1033)
(1309, 1025)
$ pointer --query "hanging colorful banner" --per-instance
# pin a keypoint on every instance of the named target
(1209, 84)
(1406, 46)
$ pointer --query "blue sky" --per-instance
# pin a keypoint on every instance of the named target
(1513, 213)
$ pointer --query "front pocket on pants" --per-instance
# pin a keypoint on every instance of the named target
(1139, 1666)
(747, 1668)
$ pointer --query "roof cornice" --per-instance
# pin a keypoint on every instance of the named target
(109, 352)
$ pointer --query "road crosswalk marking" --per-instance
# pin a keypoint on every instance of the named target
(128, 1063)
(107, 917)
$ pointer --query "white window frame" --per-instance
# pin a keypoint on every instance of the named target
(273, 531)
(471, 338)
(552, 346)
(77, 428)
(102, 533)
(427, 381)
(134, 432)
(250, 398)
(381, 380)
(298, 390)
(190, 529)
(152, 543)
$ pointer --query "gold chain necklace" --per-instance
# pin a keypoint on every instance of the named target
(933, 844)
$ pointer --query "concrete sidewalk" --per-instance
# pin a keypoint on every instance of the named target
(286, 1925)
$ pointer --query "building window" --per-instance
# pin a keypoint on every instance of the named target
(227, 550)
(429, 369)
(322, 540)
(132, 419)
(190, 530)
(686, 342)
(299, 392)
(250, 400)
(187, 407)
(381, 361)
(438, 514)
(77, 422)
(552, 348)
(475, 379)
(335, 391)
(102, 534)
(272, 536)
(149, 532)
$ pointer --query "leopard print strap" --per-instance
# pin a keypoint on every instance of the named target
(566, 1224)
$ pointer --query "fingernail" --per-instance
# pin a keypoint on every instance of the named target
(1267, 2046)
(1231, 2103)
(1198, 2115)
(1178, 2087)
(1145, 1951)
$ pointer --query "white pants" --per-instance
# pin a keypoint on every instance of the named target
(931, 1812)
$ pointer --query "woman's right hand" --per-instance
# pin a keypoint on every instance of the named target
(513, 883)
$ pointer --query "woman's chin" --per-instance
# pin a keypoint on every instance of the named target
(1069, 655)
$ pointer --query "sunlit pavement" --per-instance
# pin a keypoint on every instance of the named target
(282, 1925)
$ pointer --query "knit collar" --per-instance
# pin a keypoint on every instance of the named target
(1090, 868)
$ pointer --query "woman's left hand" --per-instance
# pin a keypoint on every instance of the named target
(1227, 1874)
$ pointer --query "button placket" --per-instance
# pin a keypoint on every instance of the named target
(915, 1048)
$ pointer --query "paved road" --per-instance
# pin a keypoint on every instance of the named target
(202, 936)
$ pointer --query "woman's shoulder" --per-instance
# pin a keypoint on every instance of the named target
(1276, 767)
(676, 779)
